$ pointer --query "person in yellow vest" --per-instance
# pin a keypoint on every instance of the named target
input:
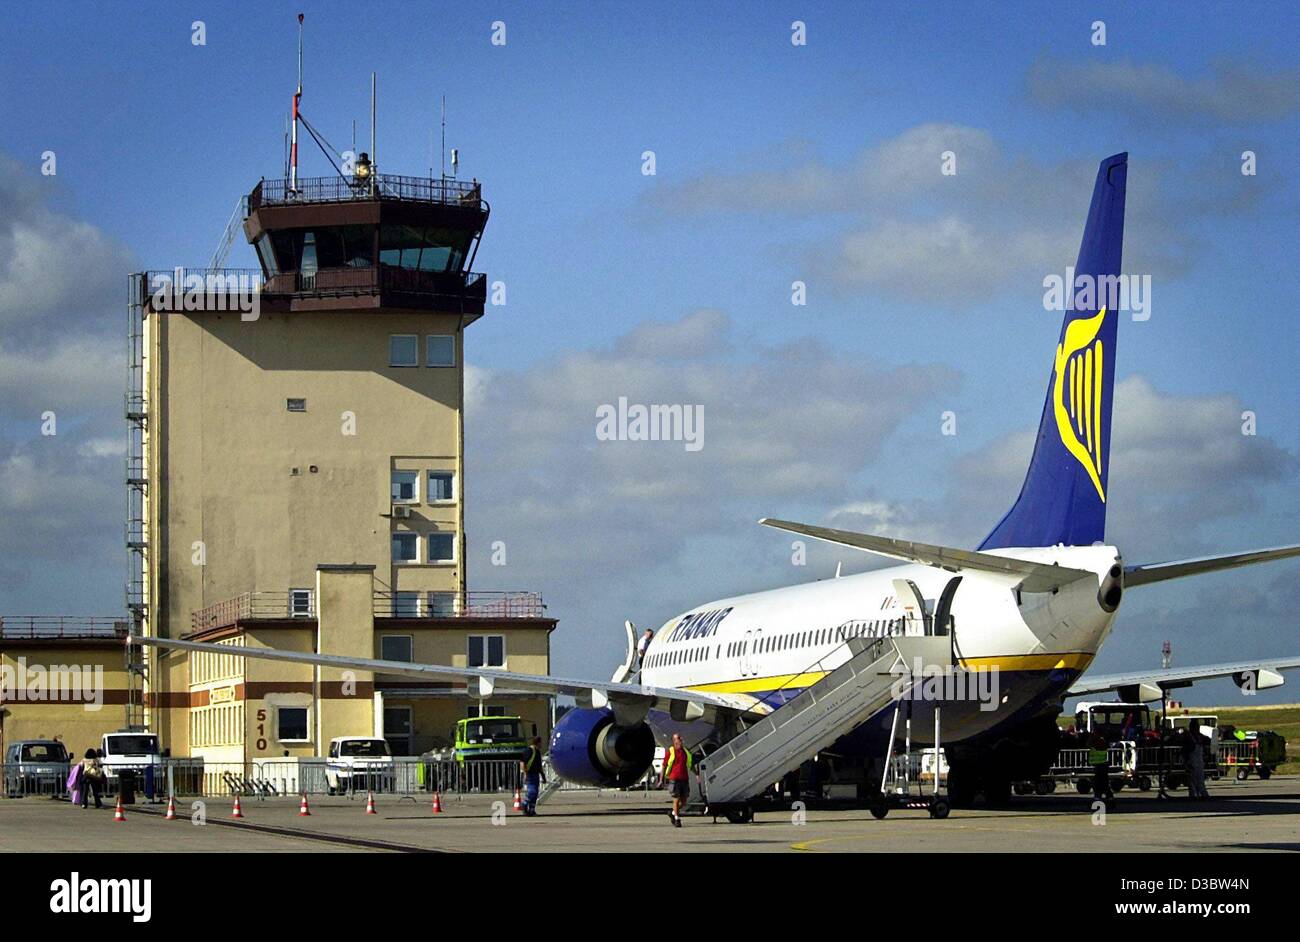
(678, 764)
(1099, 759)
(534, 774)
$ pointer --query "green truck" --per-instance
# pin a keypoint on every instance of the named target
(490, 737)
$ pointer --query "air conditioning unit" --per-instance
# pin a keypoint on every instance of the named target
(401, 511)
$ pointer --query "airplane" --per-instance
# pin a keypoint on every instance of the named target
(1034, 602)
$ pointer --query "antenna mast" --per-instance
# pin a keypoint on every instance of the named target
(297, 98)
(374, 159)
(442, 148)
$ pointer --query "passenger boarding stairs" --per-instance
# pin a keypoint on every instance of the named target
(848, 696)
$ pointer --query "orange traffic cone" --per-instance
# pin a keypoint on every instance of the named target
(118, 814)
(237, 812)
(370, 803)
(437, 804)
(303, 810)
(519, 801)
(171, 809)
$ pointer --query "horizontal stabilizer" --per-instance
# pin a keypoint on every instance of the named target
(1159, 572)
(1035, 577)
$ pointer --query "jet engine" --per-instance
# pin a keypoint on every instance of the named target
(589, 747)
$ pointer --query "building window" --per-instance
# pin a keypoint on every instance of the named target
(404, 350)
(442, 547)
(397, 729)
(397, 648)
(296, 405)
(487, 651)
(443, 604)
(406, 604)
(300, 603)
(440, 350)
(291, 724)
(406, 487)
(406, 547)
(442, 486)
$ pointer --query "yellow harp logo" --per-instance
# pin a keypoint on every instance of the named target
(1077, 393)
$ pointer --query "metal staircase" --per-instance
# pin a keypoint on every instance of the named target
(810, 722)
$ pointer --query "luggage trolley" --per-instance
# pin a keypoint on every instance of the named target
(899, 787)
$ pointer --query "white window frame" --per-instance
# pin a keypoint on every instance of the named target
(429, 486)
(428, 360)
(306, 723)
(404, 534)
(486, 650)
(437, 610)
(392, 486)
(428, 549)
(410, 639)
(294, 594)
(416, 338)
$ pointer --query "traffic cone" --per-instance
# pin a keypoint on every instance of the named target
(171, 809)
(519, 801)
(437, 804)
(303, 810)
(370, 803)
(237, 812)
(119, 815)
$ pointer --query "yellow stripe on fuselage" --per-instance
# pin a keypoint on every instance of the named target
(1004, 663)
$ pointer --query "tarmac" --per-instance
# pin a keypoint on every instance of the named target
(1240, 816)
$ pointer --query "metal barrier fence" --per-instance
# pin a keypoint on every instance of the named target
(268, 778)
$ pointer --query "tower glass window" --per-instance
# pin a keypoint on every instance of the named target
(440, 350)
(404, 350)
(406, 547)
(442, 547)
(442, 486)
(406, 487)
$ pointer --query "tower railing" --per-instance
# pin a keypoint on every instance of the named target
(385, 186)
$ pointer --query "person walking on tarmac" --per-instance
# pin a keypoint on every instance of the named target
(1194, 757)
(534, 774)
(1099, 759)
(678, 764)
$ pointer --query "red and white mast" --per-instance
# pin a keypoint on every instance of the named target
(297, 99)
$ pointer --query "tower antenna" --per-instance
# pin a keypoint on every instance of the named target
(297, 99)
(374, 157)
(442, 148)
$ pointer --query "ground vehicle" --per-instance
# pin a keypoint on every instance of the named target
(127, 750)
(490, 737)
(36, 766)
(1118, 722)
(1246, 751)
(359, 763)
(1206, 723)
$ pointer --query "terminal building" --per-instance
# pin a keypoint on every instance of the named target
(296, 480)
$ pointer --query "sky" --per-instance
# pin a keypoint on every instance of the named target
(775, 162)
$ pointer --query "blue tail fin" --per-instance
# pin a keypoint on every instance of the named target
(1063, 499)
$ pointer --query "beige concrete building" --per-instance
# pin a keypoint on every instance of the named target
(297, 480)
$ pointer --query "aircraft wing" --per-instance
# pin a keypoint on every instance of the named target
(483, 681)
(1158, 572)
(1265, 672)
(1035, 577)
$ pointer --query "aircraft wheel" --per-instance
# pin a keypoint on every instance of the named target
(997, 791)
(939, 809)
(879, 809)
(961, 790)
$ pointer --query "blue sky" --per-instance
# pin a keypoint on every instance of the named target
(768, 158)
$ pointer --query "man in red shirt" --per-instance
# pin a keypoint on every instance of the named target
(678, 764)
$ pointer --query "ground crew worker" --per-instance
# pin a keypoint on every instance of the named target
(678, 764)
(534, 774)
(1099, 759)
(92, 778)
(1194, 756)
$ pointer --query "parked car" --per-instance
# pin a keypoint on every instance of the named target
(36, 767)
(359, 763)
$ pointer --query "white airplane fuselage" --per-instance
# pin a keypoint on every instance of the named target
(770, 645)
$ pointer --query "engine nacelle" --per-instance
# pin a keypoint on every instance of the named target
(588, 747)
